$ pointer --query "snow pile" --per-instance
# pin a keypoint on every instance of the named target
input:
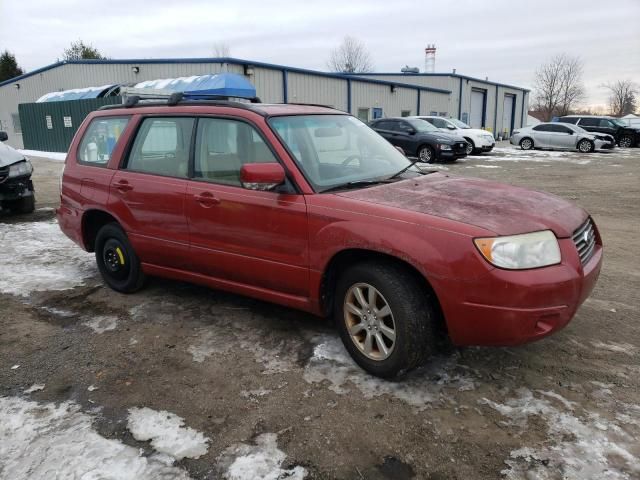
(102, 323)
(36, 387)
(587, 447)
(45, 441)
(167, 433)
(50, 155)
(614, 347)
(331, 363)
(37, 256)
(262, 461)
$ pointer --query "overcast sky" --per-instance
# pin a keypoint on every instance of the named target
(503, 39)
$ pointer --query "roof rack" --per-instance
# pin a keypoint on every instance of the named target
(177, 98)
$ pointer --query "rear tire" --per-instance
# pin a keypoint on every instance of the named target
(586, 146)
(400, 314)
(24, 205)
(117, 261)
(626, 141)
(526, 144)
(426, 154)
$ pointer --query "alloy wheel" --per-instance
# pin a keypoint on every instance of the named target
(625, 142)
(425, 154)
(526, 144)
(369, 321)
(585, 146)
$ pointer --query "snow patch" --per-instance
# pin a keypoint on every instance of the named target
(167, 433)
(37, 256)
(262, 461)
(332, 364)
(60, 156)
(58, 441)
(36, 387)
(587, 447)
(625, 348)
(102, 323)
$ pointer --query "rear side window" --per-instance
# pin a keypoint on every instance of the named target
(162, 147)
(542, 128)
(438, 122)
(589, 122)
(573, 120)
(100, 140)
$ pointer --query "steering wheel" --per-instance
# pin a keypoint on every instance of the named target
(350, 159)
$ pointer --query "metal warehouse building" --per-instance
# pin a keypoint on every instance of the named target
(489, 105)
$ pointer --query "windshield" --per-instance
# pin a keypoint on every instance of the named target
(618, 122)
(422, 125)
(458, 123)
(333, 150)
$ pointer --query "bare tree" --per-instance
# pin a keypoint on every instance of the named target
(221, 50)
(623, 97)
(351, 56)
(558, 86)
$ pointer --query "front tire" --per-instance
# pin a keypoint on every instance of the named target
(24, 205)
(426, 154)
(625, 142)
(387, 322)
(586, 146)
(117, 261)
(471, 147)
(526, 144)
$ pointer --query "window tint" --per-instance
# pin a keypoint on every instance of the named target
(558, 128)
(162, 147)
(573, 120)
(403, 127)
(542, 128)
(606, 123)
(100, 140)
(223, 146)
(589, 122)
(383, 125)
(438, 122)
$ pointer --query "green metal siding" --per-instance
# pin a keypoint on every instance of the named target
(33, 116)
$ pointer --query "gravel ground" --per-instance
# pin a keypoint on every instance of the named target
(178, 381)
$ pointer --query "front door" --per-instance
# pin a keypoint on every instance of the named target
(254, 238)
(147, 193)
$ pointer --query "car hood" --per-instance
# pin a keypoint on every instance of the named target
(450, 138)
(9, 156)
(473, 131)
(499, 208)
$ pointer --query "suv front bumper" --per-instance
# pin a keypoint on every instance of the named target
(15, 189)
(512, 307)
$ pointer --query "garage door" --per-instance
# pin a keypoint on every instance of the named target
(507, 114)
(476, 119)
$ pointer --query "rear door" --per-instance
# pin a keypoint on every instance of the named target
(541, 135)
(590, 124)
(147, 193)
(403, 137)
(254, 238)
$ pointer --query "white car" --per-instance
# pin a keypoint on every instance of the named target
(478, 140)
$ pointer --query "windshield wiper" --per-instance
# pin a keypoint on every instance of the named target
(355, 184)
(413, 162)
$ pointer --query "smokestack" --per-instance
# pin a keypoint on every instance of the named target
(430, 59)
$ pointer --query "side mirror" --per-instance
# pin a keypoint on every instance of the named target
(4, 137)
(411, 131)
(262, 176)
(570, 132)
(451, 127)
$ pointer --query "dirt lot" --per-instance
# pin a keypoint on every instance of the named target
(267, 392)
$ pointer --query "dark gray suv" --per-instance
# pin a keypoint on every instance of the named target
(418, 138)
(625, 136)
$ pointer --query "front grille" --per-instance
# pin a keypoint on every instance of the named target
(4, 173)
(585, 239)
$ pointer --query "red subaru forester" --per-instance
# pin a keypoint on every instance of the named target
(308, 207)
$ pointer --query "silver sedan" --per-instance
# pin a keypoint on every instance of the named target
(561, 136)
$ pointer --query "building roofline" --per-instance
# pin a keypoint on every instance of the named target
(456, 75)
(230, 60)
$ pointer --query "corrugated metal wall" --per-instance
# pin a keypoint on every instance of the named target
(304, 88)
(50, 126)
(367, 95)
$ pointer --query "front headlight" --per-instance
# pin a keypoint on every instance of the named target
(519, 252)
(20, 169)
(445, 147)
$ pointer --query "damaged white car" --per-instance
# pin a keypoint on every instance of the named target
(16, 187)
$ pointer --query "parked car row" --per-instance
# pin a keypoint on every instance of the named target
(625, 135)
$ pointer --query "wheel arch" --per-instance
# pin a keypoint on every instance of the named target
(92, 221)
(527, 137)
(351, 256)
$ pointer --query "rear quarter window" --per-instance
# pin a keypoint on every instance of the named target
(100, 139)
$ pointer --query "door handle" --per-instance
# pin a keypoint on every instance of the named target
(123, 186)
(207, 199)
